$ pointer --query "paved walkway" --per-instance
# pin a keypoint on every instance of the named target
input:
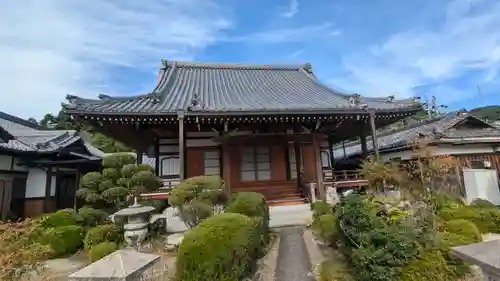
(293, 262)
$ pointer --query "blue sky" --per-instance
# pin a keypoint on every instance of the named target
(446, 48)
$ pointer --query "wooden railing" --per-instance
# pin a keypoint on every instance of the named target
(343, 178)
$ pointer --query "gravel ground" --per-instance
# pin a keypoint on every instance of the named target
(293, 263)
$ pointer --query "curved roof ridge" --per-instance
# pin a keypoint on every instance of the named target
(231, 65)
(102, 99)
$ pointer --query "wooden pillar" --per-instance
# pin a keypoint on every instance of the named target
(140, 152)
(77, 185)
(298, 161)
(226, 167)
(287, 159)
(374, 135)
(362, 139)
(319, 167)
(182, 151)
(330, 150)
(157, 157)
(48, 187)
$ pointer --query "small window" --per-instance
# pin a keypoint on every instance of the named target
(212, 163)
(170, 166)
(255, 164)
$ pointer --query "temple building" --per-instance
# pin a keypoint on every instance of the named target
(264, 128)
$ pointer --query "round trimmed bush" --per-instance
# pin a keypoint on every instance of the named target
(464, 228)
(482, 203)
(326, 228)
(101, 233)
(487, 220)
(101, 250)
(60, 218)
(431, 266)
(320, 208)
(63, 240)
(222, 246)
(92, 217)
(252, 204)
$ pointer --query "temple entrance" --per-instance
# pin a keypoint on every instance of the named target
(65, 191)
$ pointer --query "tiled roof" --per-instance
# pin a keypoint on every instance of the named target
(440, 128)
(27, 138)
(218, 87)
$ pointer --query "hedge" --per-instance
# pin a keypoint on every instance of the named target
(252, 204)
(326, 227)
(101, 233)
(101, 250)
(487, 220)
(63, 217)
(320, 208)
(63, 240)
(464, 228)
(222, 247)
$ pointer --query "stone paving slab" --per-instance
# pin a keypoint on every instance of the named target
(293, 263)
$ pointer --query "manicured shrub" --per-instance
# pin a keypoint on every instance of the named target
(431, 266)
(487, 220)
(222, 247)
(60, 218)
(464, 228)
(101, 233)
(197, 198)
(101, 250)
(320, 208)
(482, 203)
(377, 250)
(63, 240)
(93, 217)
(252, 204)
(326, 227)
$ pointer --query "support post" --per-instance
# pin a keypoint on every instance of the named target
(319, 168)
(374, 135)
(157, 157)
(226, 167)
(48, 187)
(330, 150)
(362, 139)
(180, 117)
(77, 185)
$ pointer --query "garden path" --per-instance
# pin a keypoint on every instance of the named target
(293, 262)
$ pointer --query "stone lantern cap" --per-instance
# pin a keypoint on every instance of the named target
(134, 210)
(121, 265)
(486, 255)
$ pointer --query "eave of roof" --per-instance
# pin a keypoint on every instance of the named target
(232, 89)
(400, 139)
(21, 121)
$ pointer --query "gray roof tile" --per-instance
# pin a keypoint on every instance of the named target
(221, 87)
(441, 128)
(31, 139)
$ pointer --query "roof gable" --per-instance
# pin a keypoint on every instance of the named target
(11, 122)
(228, 87)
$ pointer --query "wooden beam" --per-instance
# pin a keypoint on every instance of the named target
(319, 167)
(48, 187)
(374, 135)
(182, 159)
(362, 138)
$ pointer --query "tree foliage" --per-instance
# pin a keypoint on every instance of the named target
(63, 121)
(120, 178)
(198, 198)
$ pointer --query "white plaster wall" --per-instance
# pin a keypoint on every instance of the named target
(35, 184)
(5, 162)
(443, 150)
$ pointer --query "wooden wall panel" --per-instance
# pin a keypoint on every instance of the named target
(309, 164)
(278, 165)
(195, 162)
(33, 207)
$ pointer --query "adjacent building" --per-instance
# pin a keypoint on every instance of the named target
(264, 128)
(40, 168)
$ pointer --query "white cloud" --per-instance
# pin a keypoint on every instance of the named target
(292, 9)
(468, 39)
(288, 35)
(50, 48)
